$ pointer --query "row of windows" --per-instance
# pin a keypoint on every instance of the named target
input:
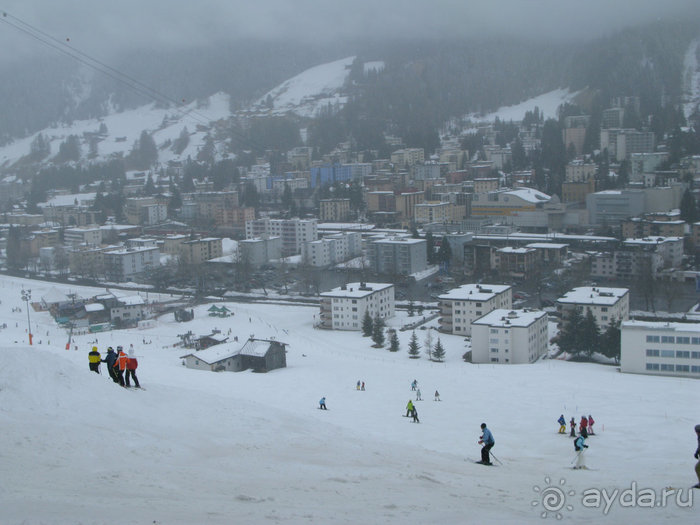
(665, 367)
(681, 340)
(681, 354)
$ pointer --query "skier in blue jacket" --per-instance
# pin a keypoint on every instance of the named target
(562, 424)
(488, 442)
(580, 446)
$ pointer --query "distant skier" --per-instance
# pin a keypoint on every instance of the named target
(94, 359)
(358, 385)
(409, 408)
(437, 396)
(697, 456)
(583, 427)
(414, 385)
(562, 424)
(590, 425)
(111, 359)
(363, 386)
(322, 403)
(418, 397)
(572, 424)
(580, 446)
(414, 413)
(487, 440)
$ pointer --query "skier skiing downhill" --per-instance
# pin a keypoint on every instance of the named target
(562, 424)
(487, 440)
(409, 408)
(418, 397)
(579, 446)
(322, 403)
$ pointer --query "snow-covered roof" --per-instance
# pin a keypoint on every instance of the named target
(652, 240)
(511, 249)
(529, 195)
(94, 307)
(658, 325)
(356, 290)
(474, 292)
(508, 318)
(131, 300)
(54, 296)
(546, 245)
(593, 295)
(255, 348)
(215, 353)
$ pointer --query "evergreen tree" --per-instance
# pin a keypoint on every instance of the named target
(175, 201)
(13, 249)
(40, 148)
(147, 153)
(367, 325)
(69, 150)
(394, 342)
(149, 188)
(182, 141)
(414, 346)
(438, 351)
(444, 253)
(411, 311)
(430, 247)
(610, 341)
(589, 337)
(689, 208)
(568, 337)
(378, 331)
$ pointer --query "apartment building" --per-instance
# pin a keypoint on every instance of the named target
(398, 255)
(606, 304)
(198, 251)
(90, 235)
(509, 336)
(660, 348)
(334, 210)
(344, 308)
(124, 264)
(464, 304)
(293, 232)
(332, 249)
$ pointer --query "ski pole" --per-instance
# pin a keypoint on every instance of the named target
(494, 457)
(576, 457)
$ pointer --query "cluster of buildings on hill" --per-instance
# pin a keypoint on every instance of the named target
(501, 334)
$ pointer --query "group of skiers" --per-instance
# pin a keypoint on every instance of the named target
(121, 367)
(585, 426)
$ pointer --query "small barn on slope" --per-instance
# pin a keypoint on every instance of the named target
(261, 355)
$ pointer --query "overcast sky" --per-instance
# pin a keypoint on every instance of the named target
(98, 26)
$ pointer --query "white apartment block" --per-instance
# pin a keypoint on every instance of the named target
(90, 236)
(579, 171)
(670, 248)
(260, 251)
(294, 232)
(344, 308)
(127, 263)
(461, 306)
(332, 249)
(509, 336)
(660, 348)
(606, 304)
(152, 214)
(407, 157)
(429, 212)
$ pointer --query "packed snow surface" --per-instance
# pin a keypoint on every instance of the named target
(200, 447)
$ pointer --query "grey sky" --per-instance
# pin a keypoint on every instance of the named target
(98, 26)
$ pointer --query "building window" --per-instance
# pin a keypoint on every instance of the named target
(494, 359)
(652, 339)
(666, 368)
(682, 368)
(683, 354)
(494, 350)
(652, 366)
(652, 353)
(668, 339)
(667, 353)
(494, 330)
(683, 340)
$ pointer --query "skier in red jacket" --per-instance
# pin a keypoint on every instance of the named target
(131, 366)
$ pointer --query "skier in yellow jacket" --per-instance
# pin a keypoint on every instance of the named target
(95, 359)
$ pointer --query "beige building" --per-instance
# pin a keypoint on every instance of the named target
(407, 157)
(201, 250)
(460, 306)
(334, 210)
(606, 304)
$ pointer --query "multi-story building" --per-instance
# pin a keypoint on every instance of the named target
(637, 227)
(344, 308)
(606, 304)
(485, 185)
(460, 306)
(613, 206)
(407, 157)
(86, 261)
(134, 209)
(294, 232)
(621, 143)
(517, 263)
(647, 162)
(612, 118)
(429, 212)
(260, 251)
(332, 249)
(124, 264)
(334, 210)
(405, 204)
(508, 202)
(398, 255)
(509, 336)
(580, 171)
(84, 235)
(198, 251)
(660, 348)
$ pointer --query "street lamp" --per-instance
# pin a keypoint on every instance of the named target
(26, 297)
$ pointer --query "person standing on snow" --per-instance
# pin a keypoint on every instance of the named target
(111, 359)
(120, 364)
(579, 446)
(562, 424)
(409, 408)
(131, 366)
(487, 440)
(437, 396)
(418, 398)
(583, 427)
(572, 424)
(94, 359)
(414, 385)
(590, 425)
(322, 403)
(414, 413)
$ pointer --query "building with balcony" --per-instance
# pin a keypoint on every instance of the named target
(293, 232)
(606, 304)
(460, 306)
(125, 264)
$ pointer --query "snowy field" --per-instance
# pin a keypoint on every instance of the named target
(199, 447)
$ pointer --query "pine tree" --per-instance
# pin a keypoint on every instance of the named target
(367, 325)
(444, 253)
(589, 338)
(414, 346)
(689, 209)
(430, 247)
(378, 332)
(610, 341)
(438, 352)
(394, 342)
(569, 335)
(411, 311)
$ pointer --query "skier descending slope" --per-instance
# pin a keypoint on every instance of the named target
(487, 440)
(562, 424)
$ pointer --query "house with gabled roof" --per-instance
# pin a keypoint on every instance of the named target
(260, 355)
